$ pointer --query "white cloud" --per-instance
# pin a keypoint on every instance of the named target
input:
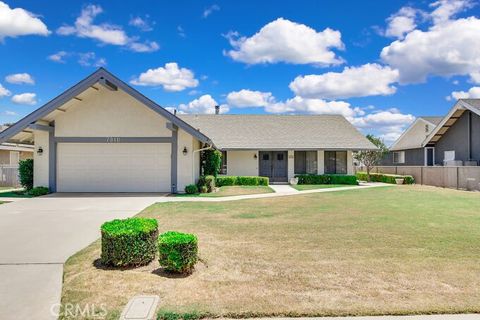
(204, 104)
(170, 77)
(58, 57)
(85, 28)
(446, 9)
(472, 93)
(447, 49)
(475, 77)
(248, 98)
(286, 41)
(208, 11)
(181, 32)
(88, 59)
(148, 46)
(144, 24)
(19, 22)
(383, 118)
(366, 80)
(401, 22)
(314, 106)
(4, 92)
(10, 113)
(25, 98)
(105, 33)
(20, 78)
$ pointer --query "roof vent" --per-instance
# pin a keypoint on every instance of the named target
(217, 109)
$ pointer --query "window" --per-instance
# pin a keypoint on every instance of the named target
(266, 157)
(14, 158)
(336, 162)
(399, 157)
(280, 156)
(223, 168)
(305, 162)
(449, 155)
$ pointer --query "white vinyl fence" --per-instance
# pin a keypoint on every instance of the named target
(9, 175)
(458, 177)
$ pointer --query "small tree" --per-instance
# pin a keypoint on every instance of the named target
(211, 162)
(25, 173)
(371, 158)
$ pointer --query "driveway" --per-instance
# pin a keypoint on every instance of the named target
(38, 235)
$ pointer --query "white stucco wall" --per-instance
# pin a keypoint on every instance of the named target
(242, 163)
(106, 113)
(188, 165)
(40, 162)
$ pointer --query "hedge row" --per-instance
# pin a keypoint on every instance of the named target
(326, 179)
(385, 178)
(241, 181)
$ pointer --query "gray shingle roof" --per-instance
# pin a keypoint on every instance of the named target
(474, 103)
(279, 131)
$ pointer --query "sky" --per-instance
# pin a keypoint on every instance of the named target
(380, 64)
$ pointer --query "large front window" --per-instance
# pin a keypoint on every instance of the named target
(305, 162)
(223, 167)
(336, 162)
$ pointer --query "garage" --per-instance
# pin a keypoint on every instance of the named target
(113, 167)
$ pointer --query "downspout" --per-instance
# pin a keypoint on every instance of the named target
(193, 159)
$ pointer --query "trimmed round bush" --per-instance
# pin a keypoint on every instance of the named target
(129, 242)
(191, 189)
(178, 251)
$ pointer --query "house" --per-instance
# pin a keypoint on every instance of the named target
(11, 154)
(101, 135)
(408, 150)
(455, 139)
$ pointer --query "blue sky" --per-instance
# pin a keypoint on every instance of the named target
(378, 63)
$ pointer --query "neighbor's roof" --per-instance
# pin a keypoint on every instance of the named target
(279, 131)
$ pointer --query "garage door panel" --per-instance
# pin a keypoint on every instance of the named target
(127, 167)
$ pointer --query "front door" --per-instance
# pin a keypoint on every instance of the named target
(430, 154)
(274, 165)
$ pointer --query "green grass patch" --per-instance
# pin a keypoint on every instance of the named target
(14, 193)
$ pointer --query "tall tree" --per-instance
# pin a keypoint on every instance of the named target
(371, 158)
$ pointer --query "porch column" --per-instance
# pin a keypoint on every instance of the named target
(291, 164)
(321, 162)
(350, 169)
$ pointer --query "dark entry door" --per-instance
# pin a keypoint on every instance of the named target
(430, 157)
(274, 165)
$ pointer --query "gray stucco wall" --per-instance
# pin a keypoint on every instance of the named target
(456, 138)
(413, 157)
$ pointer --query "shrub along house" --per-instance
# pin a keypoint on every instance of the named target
(450, 140)
(101, 135)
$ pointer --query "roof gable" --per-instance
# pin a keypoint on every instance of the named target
(455, 112)
(107, 79)
(415, 134)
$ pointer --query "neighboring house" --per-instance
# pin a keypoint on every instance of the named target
(455, 139)
(11, 154)
(408, 150)
(101, 135)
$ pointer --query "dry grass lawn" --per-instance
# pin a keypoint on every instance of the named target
(392, 250)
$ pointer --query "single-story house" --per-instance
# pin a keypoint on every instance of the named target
(454, 140)
(11, 154)
(101, 135)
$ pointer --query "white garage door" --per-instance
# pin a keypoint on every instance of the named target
(113, 167)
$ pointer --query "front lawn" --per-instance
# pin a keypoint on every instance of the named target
(303, 187)
(387, 250)
(14, 193)
(231, 191)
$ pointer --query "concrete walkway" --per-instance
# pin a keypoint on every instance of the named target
(283, 188)
(38, 235)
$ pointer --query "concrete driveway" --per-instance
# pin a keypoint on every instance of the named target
(38, 235)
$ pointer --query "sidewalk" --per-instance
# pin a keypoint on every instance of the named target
(280, 191)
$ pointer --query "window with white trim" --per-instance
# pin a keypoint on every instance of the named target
(399, 157)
